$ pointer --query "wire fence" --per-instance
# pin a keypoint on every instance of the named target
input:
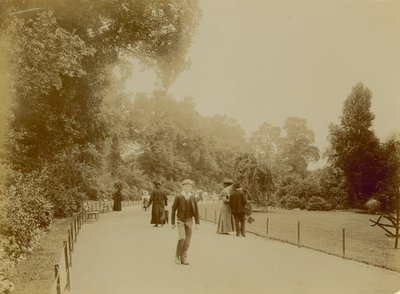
(344, 234)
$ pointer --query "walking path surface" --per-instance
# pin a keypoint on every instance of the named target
(122, 253)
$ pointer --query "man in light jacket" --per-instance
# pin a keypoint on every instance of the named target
(185, 208)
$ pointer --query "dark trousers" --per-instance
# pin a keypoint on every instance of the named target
(239, 224)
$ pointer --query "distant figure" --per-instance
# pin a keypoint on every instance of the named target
(159, 200)
(145, 200)
(117, 197)
(237, 203)
(185, 208)
(225, 222)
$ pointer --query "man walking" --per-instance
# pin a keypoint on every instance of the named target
(238, 203)
(185, 208)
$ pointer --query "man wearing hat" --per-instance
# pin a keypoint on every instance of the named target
(185, 208)
(238, 204)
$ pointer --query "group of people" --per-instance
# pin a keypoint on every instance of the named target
(185, 209)
(232, 213)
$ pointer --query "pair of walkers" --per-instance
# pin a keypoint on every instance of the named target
(232, 213)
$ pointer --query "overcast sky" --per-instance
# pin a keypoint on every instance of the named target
(261, 60)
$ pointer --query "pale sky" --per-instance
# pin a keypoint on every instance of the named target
(262, 60)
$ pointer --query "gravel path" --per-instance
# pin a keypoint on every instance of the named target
(122, 253)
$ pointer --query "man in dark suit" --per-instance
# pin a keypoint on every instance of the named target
(185, 208)
(237, 203)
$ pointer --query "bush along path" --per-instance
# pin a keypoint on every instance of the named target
(35, 274)
(124, 253)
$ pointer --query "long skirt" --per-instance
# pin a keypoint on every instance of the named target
(225, 222)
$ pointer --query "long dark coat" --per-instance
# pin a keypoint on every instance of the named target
(237, 202)
(117, 201)
(159, 200)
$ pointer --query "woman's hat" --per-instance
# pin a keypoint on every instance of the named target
(237, 185)
(187, 182)
(227, 181)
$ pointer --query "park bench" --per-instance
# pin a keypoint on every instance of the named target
(106, 205)
(90, 213)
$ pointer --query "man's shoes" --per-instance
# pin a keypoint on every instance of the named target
(184, 262)
(243, 235)
(177, 260)
(155, 226)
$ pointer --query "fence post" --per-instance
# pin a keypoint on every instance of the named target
(344, 243)
(57, 277)
(71, 249)
(205, 213)
(72, 235)
(298, 234)
(75, 228)
(267, 226)
(215, 215)
(66, 264)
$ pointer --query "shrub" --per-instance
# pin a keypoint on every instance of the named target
(65, 201)
(27, 212)
(292, 202)
(317, 203)
(372, 206)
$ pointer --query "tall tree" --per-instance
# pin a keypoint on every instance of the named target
(297, 149)
(355, 149)
(388, 189)
(265, 142)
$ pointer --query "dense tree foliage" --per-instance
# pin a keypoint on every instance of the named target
(64, 129)
(265, 142)
(388, 188)
(355, 149)
(256, 179)
(175, 141)
(296, 149)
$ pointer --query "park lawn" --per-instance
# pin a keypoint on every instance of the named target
(35, 275)
(322, 230)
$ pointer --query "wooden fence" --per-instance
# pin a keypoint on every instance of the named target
(62, 284)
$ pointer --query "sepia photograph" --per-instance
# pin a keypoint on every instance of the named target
(199, 146)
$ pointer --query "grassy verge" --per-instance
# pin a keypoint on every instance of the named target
(322, 231)
(35, 275)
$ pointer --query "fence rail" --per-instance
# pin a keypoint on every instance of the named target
(77, 222)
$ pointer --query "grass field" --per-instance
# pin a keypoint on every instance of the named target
(35, 275)
(322, 231)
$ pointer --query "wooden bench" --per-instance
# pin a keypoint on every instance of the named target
(90, 213)
(94, 213)
(106, 205)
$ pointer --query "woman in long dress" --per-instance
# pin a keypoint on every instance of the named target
(159, 200)
(225, 222)
(117, 197)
